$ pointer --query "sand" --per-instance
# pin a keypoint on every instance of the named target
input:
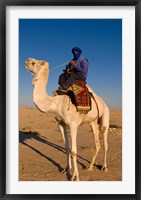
(42, 156)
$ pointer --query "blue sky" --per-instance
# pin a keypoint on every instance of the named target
(53, 39)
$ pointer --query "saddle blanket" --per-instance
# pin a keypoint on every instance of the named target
(82, 96)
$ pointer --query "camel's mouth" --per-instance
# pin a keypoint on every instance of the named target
(29, 70)
(26, 67)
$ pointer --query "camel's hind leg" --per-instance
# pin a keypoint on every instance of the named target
(63, 129)
(95, 128)
(104, 127)
(105, 144)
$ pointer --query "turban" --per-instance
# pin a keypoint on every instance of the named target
(77, 49)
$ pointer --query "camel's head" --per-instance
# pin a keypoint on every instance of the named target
(35, 66)
(38, 68)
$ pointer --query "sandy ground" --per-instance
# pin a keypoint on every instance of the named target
(42, 155)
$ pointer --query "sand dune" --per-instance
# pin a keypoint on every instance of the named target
(42, 155)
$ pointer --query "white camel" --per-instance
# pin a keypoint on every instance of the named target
(67, 115)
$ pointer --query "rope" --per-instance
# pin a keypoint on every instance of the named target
(58, 66)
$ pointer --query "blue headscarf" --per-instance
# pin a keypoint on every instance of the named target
(76, 56)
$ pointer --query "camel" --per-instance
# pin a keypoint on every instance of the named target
(66, 114)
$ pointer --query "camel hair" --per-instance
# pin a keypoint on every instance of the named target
(67, 115)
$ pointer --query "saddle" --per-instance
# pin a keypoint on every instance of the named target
(79, 96)
(82, 96)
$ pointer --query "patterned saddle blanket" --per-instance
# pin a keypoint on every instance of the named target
(82, 96)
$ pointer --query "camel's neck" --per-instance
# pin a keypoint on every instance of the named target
(40, 97)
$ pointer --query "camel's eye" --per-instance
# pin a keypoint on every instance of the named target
(33, 63)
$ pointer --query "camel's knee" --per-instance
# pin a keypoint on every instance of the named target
(98, 147)
(106, 147)
(104, 129)
(73, 153)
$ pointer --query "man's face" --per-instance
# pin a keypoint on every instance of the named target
(75, 52)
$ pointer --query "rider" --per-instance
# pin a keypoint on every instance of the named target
(75, 71)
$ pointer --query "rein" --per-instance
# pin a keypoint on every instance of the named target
(58, 66)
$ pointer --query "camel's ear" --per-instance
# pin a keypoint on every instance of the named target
(42, 63)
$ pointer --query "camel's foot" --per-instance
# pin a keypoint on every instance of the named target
(75, 177)
(89, 168)
(66, 171)
(104, 169)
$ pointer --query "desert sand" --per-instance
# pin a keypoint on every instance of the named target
(42, 156)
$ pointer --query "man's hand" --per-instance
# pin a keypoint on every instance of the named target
(72, 63)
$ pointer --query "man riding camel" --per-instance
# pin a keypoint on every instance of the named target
(75, 71)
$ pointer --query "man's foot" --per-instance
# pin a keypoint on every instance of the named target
(60, 92)
(69, 89)
(54, 93)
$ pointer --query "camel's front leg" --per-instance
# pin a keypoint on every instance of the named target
(73, 132)
(63, 129)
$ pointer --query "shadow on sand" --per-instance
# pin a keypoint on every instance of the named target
(24, 136)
